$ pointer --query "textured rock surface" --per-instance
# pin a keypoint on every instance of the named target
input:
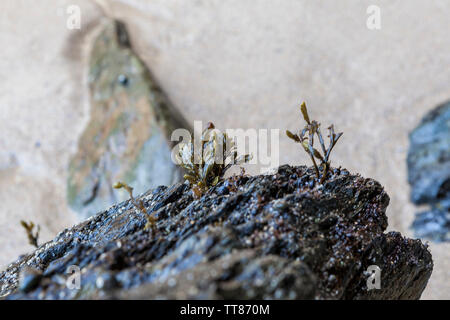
(434, 223)
(268, 236)
(429, 173)
(429, 157)
(240, 64)
(127, 137)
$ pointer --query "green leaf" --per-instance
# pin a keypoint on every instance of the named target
(305, 145)
(293, 136)
(317, 154)
(304, 112)
(24, 224)
(190, 178)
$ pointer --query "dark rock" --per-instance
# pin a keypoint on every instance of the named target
(269, 236)
(429, 173)
(29, 279)
(241, 274)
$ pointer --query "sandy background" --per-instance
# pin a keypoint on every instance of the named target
(241, 64)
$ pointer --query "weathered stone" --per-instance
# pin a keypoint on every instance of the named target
(29, 279)
(268, 236)
(127, 137)
(434, 224)
(429, 173)
(429, 157)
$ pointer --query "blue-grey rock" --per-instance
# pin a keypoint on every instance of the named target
(434, 224)
(429, 157)
(429, 173)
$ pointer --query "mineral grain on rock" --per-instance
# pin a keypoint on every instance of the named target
(279, 236)
(127, 136)
(429, 173)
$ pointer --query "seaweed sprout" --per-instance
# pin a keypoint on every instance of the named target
(206, 168)
(306, 138)
(139, 204)
(32, 238)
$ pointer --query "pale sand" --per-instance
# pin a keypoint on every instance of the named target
(238, 63)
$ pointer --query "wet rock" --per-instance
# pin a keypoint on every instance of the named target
(270, 236)
(127, 137)
(29, 279)
(239, 274)
(429, 173)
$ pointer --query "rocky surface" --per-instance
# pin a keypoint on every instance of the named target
(239, 64)
(128, 134)
(429, 173)
(434, 223)
(270, 236)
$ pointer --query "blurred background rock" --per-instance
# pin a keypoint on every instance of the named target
(242, 64)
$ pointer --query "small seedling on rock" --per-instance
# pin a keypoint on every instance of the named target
(306, 138)
(139, 204)
(217, 154)
(32, 238)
